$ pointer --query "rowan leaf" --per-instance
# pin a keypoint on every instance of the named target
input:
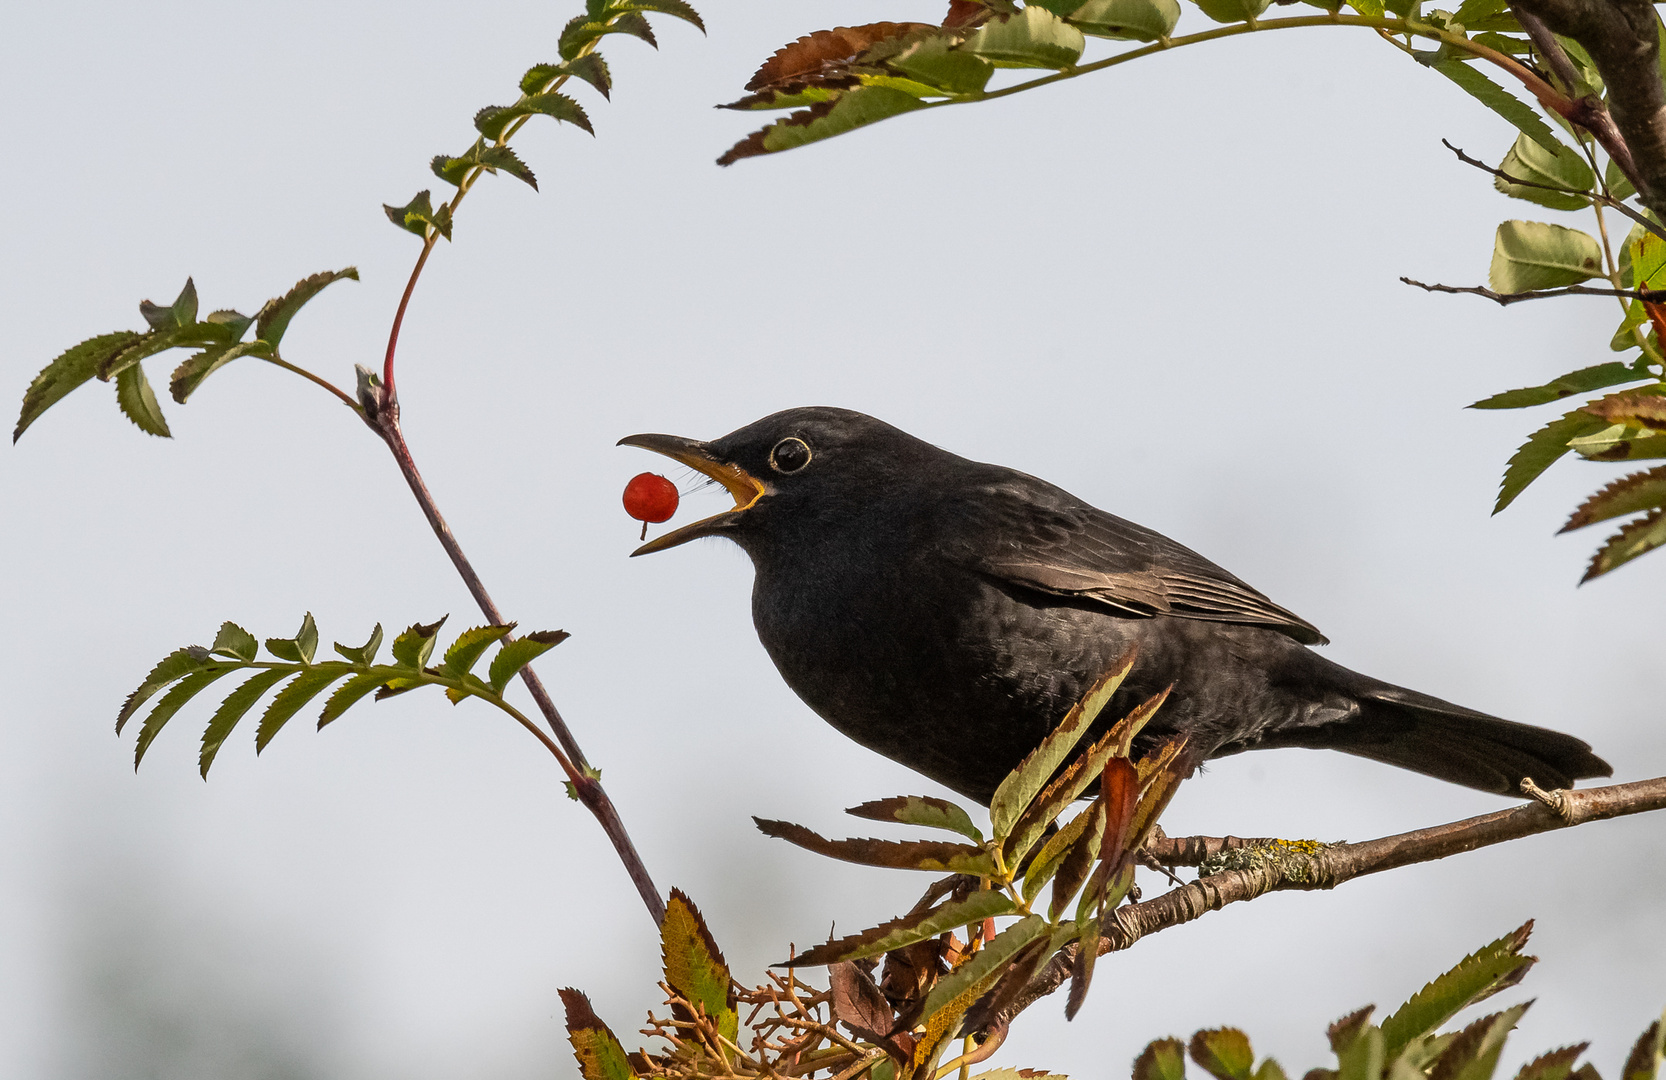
(858, 1003)
(600, 1056)
(1563, 168)
(1132, 20)
(694, 965)
(932, 60)
(1644, 1061)
(68, 370)
(1020, 788)
(583, 30)
(1363, 1058)
(138, 402)
(348, 694)
(418, 215)
(300, 648)
(956, 991)
(183, 691)
(1119, 789)
(519, 653)
(1032, 38)
(490, 158)
(1473, 1055)
(493, 119)
(231, 710)
(469, 646)
(294, 697)
(1496, 98)
(1496, 966)
(235, 643)
(1343, 1033)
(590, 67)
(196, 335)
(1224, 1053)
(814, 55)
(920, 810)
(366, 653)
(906, 930)
(1556, 1065)
(1164, 1059)
(195, 368)
(935, 855)
(412, 648)
(1620, 442)
(272, 322)
(182, 312)
(1541, 450)
(849, 111)
(1574, 382)
(1232, 11)
(1077, 861)
(1634, 538)
(171, 668)
(677, 9)
(1061, 843)
(1529, 255)
(1081, 977)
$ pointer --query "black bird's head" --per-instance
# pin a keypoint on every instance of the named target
(809, 467)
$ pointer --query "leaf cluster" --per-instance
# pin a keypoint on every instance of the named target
(187, 672)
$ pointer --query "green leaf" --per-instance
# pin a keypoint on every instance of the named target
(1574, 382)
(583, 31)
(298, 649)
(348, 694)
(1541, 450)
(138, 402)
(1271, 1070)
(493, 119)
(1164, 1059)
(1077, 864)
(412, 648)
(71, 368)
(1224, 1053)
(1620, 442)
(1530, 255)
(1232, 11)
(589, 67)
(1527, 160)
(1556, 1065)
(1635, 538)
(176, 665)
(1135, 20)
(1346, 1031)
(294, 697)
(183, 691)
(847, 112)
(938, 856)
(491, 158)
(1061, 843)
(956, 991)
(182, 312)
(196, 335)
(935, 62)
(1495, 966)
(694, 965)
(517, 654)
(273, 319)
(233, 709)
(906, 930)
(418, 215)
(1473, 1055)
(1363, 1059)
(600, 1057)
(469, 646)
(1024, 783)
(1032, 38)
(1498, 99)
(1644, 1061)
(677, 9)
(190, 374)
(366, 653)
(1371, 9)
(920, 810)
(235, 642)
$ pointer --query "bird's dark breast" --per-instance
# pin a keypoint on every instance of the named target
(958, 676)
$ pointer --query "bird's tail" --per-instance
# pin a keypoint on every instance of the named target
(1449, 742)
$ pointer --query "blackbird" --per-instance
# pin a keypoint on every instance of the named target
(948, 613)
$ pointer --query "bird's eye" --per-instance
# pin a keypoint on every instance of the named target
(789, 455)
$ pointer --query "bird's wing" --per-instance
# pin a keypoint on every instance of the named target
(1033, 535)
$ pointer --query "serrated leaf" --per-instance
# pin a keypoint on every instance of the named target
(1081, 976)
(1015, 793)
(920, 810)
(1342, 1033)
(1364, 1057)
(584, 31)
(1048, 860)
(176, 665)
(590, 67)
(1574, 382)
(1077, 862)
(1496, 98)
(1643, 1063)
(906, 930)
(694, 965)
(1270, 1069)
(1529, 255)
(272, 322)
(197, 335)
(235, 642)
(348, 694)
(600, 1056)
(1473, 1055)
(418, 215)
(412, 648)
(469, 646)
(813, 56)
(677, 9)
(1529, 161)
(301, 647)
(366, 653)
(956, 991)
(517, 654)
(182, 312)
(1132, 20)
(849, 111)
(183, 691)
(1495, 966)
(190, 374)
(1628, 495)
(935, 62)
(1556, 1065)
(938, 856)
(1032, 38)
(231, 710)
(1232, 11)
(1224, 1053)
(294, 697)
(491, 158)
(68, 370)
(1634, 538)
(1164, 1059)
(492, 120)
(138, 402)
(1541, 451)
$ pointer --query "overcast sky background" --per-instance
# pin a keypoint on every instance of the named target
(1170, 288)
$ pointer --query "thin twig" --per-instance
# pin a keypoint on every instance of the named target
(1595, 196)
(1649, 296)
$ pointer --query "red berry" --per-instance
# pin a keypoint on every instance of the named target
(650, 497)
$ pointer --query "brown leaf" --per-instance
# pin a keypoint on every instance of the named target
(1628, 495)
(1640, 1064)
(824, 53)
(1343, 1032)
(908, 976)
(935, 855)
(1644, 408)
(860, 1006)
(1635, 538)
(1119, 786)
(965, 14)
(753, 144)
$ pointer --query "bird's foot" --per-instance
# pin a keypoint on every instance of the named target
(1558, 800)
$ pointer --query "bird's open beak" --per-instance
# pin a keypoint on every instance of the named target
(746, 488)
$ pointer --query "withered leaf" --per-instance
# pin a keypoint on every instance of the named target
(1645, 408)
(936, 855)
(1628, 495)
(1119, 786)
(859, 1004)
(906, 929)
(825, 52)
(964, 14)
(1635, 538)
(600, 1057)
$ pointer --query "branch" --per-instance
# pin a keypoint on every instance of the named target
(1588, 112)
(1648, 296)
(1263, 868)
(1595, 196)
